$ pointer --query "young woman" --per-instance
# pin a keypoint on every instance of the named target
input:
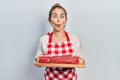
(58, 43)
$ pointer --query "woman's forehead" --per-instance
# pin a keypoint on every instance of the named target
(58, 10)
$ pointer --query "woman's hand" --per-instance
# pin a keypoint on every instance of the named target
(37, 59)
(82, 60)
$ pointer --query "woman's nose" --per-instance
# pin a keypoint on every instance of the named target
(58, 19)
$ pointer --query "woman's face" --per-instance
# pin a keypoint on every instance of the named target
(58, 19)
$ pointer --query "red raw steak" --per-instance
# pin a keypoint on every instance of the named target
(66, 59)
(45, 59)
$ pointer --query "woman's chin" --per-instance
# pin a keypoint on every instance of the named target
(58, 29)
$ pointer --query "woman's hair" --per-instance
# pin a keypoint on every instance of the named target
(57, 5)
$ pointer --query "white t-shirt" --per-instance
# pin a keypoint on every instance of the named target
(42, 45)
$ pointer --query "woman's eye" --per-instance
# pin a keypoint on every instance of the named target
(54, 16)
(61, 16)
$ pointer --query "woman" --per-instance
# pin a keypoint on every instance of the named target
(58, 43)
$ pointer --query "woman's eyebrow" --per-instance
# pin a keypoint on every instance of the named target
(54, 13)
(60, 14)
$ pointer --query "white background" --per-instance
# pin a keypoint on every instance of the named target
(96, 22)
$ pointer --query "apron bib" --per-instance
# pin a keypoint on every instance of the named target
(59, 49)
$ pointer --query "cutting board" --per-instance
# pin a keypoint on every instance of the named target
(79, 65)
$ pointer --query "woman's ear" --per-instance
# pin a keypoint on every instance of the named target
(49, 20)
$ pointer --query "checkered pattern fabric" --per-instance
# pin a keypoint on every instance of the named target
(59, 49)
(60, 74)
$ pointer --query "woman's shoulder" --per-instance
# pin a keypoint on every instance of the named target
(73, 36)
(44, 38)
(75, 40)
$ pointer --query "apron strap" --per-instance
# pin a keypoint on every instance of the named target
(67, 36)
(50, 36)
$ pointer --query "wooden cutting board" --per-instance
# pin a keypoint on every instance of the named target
(80, 65)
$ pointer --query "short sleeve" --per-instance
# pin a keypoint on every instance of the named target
(76, 44)
(39, 48)
(78, 49)
(42, 45)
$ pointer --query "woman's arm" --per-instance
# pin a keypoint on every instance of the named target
(42, 47)
(77, 46)
(39, 50)
(79, 50)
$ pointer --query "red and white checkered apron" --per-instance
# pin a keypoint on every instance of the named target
(59, 49)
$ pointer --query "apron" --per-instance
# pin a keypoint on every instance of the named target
(59, 49)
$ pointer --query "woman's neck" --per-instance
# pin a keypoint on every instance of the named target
(59, 36)
(59, 33)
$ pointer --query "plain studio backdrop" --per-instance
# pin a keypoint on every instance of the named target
(96, 22)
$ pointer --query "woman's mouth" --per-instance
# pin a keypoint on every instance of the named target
(58, 25)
